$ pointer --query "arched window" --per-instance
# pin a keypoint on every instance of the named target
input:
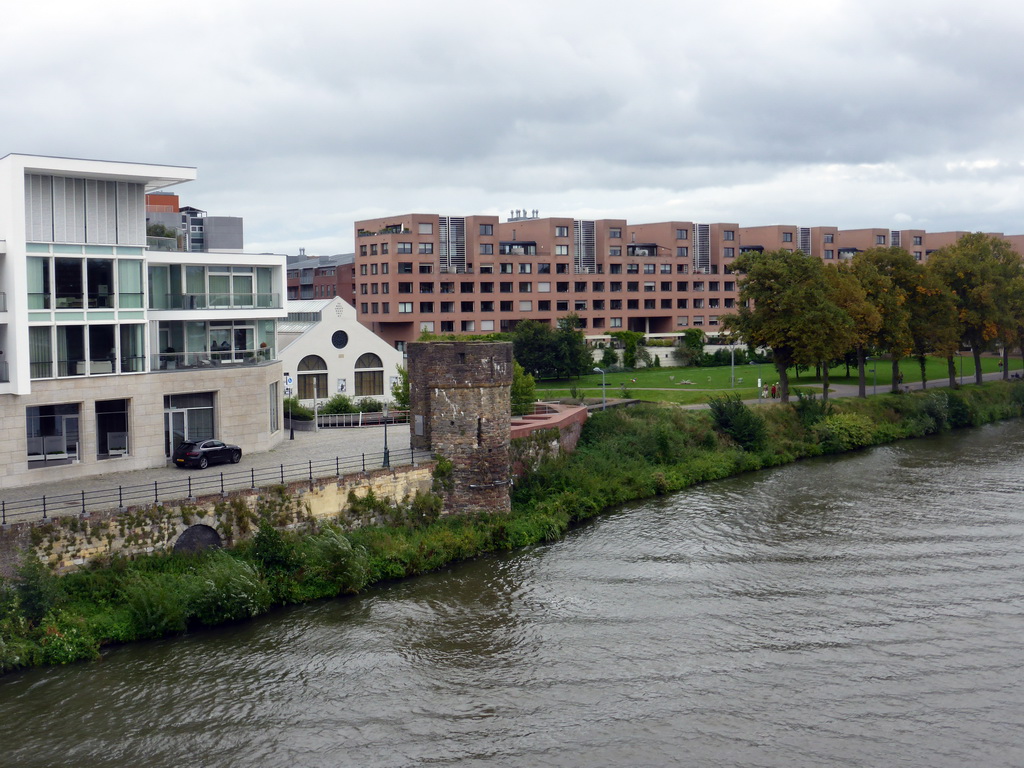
(312, 378)
(369, 375)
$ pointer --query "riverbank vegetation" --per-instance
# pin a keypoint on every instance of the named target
(623, 455)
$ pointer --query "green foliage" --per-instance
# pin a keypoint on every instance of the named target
(293, 410)
(66, 638)
(228, 589)
(338, 403)
(39, 590)
(400, 389)
(443, 474)
(734, 418)
(810, 409)
(551, 353)
(156, 603)
(845, 432)
(609, 358)
(630, 341)
(370, 405)
(524, 390)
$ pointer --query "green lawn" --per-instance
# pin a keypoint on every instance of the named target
(695, 385)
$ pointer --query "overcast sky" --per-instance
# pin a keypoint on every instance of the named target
(303, 117)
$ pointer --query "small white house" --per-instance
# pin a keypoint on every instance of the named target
(327, 351)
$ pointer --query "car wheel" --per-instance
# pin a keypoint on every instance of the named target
(203, 462)
(236, 456)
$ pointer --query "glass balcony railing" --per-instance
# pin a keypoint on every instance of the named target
(162, 244)
(172, 361)
(217, 301)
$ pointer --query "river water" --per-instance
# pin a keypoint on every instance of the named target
(860, 611)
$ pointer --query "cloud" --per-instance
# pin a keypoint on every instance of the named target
(303, 118)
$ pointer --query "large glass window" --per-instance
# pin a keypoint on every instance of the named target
(369, 372)
(40, 349)
(129, 283)
(111, 428)
(38, 283)
(313, 378)
(68, 282)
(52, 433)
(100, 278)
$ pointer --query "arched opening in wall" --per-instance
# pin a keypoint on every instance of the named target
(312, 377)
(198, 538)
(369, 375)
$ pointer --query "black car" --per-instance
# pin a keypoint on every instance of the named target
(203, 453)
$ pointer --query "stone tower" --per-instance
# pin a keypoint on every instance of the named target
(460, 407)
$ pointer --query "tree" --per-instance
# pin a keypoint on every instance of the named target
(970, 268)
(552, 353)
(786, 305)
(849, 319)
(933, 323)
(630, 341)
(609, 358)
(889, 276)
(524, 391)
(400, 389)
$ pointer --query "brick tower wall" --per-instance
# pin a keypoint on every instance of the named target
(460, 408)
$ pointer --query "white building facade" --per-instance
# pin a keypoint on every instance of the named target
(111, 351)
(327, 351)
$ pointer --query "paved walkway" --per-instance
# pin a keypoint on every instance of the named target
(325, 445)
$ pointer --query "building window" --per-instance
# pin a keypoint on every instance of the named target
(525, 269)
(879, 239)
(650, 269)
(829, 253)
(404, 307)
(426, 326)
(561, 269)
(468, 326)
(312, 378)
(525, 306)
(404, 248)
(447, 326)
(682, 303)
(787, 237)
(561, 250)
(275, 407)
(615, 233)
(426, 228)
(426, 307)
(728, 252)
(486, 249)
(526, 287)
(467, 306)
(682, 234)
(615, 250)
(505, 306)
(830, 238)
(728, 234)
(683, 320)
(615, 322)
(447, 307)
(405, 267)
(614, 269)
(486, 306)
(369, 372)
(52, 432)
(486, 229)
(917, 240)
(486, 325)
(561, 231)
(544, 268)
(426, 269)
(426, 248)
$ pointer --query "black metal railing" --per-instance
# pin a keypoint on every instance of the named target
(201, 484)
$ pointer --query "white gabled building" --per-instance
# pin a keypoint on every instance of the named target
(110, 350)
(327, 351)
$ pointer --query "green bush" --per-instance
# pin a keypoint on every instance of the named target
(370, 405)
(338, 404)
(66, 638)
(228, 589)
(39, 590)
(733, 417)
(157, 604)
(293, 410)
(810, 409)
(845, 432)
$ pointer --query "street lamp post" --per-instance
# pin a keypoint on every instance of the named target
(732, 364)
(874, 375)
(604, 392)
(387, 453)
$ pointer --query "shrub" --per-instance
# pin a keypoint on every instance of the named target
(156, 605)
(228, 590)
(39, 590)
(810, 409)
(732, 417)
(293, 410)
(338, 403)
(333, 558)
(609, 358)
(370, 405)
(844, 432)
(66, 638)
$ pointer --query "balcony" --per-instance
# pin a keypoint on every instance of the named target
(219, 301)
(162, 244)
(175, 361)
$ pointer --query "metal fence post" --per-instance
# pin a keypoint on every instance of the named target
(3, 512)
(364, 462)
(252, 472)
(156, 492)
(44, 506)
(190, 486)
(83, 502)
(282, 474)
(337, 466)
(120, 500)
(311, 470)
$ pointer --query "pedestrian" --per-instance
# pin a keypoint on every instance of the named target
(773, 391)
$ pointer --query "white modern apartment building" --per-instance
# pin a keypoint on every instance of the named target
(110, 353)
